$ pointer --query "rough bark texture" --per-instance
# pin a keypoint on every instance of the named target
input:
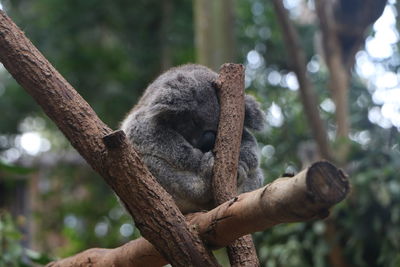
(308, 97)
(230, 89)
(304, 197)
(242, 252)
(153, 210)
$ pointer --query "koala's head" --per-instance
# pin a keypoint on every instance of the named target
(185, 99)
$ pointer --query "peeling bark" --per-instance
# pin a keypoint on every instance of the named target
(306, 196)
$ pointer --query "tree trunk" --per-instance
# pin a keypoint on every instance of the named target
(308, 97)
(214, 32)
(166, 53)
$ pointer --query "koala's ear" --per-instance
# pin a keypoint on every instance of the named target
(254, 117)
(159, 110)
(166, 108)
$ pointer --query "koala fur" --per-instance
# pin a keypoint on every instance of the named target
(174, 127)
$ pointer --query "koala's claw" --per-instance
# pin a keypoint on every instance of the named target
(242, 173)
(207, 164)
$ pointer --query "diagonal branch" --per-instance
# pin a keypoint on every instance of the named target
(298, 62)
(154, 211)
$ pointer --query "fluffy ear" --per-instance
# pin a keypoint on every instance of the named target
(170, 94)
(254, 117)
(159, 111)
(171, 104)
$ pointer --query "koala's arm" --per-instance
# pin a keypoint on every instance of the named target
(190, 190)
(168, 145)
(250, 176)
(184, 171)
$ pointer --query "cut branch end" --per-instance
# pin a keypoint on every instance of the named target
(115, 139)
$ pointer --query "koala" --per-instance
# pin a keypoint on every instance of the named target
(173, 127)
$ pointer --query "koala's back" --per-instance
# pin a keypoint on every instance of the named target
(182, 78)
(173, 127)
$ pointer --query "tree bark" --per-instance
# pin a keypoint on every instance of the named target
(230, 89)
(308, 195)
(308, 97)
(110, 154)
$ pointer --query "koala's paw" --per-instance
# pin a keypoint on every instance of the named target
(243, 169)
(207, 164)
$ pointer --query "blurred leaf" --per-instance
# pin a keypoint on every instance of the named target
(14, 169)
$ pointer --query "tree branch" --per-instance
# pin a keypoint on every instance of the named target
(230, 89)
(153, 210)
(308, 97)
(304, 197)
(339, 75)
(343, 24)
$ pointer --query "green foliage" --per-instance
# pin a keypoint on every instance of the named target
(10, 249)
(14, 169)
(367, 222)
(108, 50)
(85, 214)
(12, 253)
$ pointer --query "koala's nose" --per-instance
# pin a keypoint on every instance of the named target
(207, 141)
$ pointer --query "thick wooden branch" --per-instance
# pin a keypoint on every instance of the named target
(298, 62)
(230, 89)
(308, 195)
(110, 154)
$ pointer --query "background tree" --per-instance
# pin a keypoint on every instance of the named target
(112, 49)
(214, 27)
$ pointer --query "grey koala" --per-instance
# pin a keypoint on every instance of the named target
(174, 127)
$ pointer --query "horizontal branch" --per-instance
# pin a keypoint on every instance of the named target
(304, 197)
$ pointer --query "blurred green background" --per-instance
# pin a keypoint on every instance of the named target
(53, 205)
